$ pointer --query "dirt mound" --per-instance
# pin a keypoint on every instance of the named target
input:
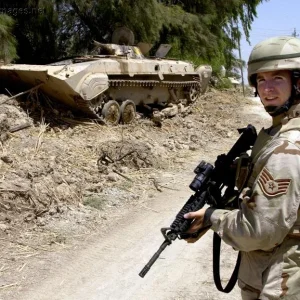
(133, 155)
(12, 117)
(44, 167)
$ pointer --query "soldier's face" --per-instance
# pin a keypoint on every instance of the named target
(274, 88)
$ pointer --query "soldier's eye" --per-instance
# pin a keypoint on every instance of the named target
(260, 80)
(278, 78)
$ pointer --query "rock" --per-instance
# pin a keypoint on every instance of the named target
(57, 178)
(229, 134)
(61, 209)
(52, 211)
(193, 147)
(4, 136)
(181, 108)
(3, 227)
(40, 222)
(169, 144)
(179, 146)
(3, 97)
(170, 111)
(3, 119)
(189, 125)
(7, 159)
(138, 116)
(29, 217)
(63, 190)
(71, 180)
(194, 138)
(112, 177)
(157, 117)
(124, 169)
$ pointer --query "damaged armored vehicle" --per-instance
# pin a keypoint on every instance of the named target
(111, 83)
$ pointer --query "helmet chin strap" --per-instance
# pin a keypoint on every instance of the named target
(278, 110)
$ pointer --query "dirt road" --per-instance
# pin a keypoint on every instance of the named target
(109, 267)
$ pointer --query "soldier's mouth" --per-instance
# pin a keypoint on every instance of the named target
(270, 99)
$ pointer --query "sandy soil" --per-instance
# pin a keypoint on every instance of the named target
(73, 228)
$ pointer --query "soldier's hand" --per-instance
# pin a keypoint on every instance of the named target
(197, 226)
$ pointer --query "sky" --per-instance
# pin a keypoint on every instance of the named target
(274, 18)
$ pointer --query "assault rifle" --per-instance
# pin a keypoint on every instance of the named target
(215, 186)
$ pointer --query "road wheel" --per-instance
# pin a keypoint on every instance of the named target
(128, 111)
(194, 93)
(111, 112)
(97, 103)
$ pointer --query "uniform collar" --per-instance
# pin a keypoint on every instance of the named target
(293, 112)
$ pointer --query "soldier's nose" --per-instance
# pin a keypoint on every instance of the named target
(268, 86)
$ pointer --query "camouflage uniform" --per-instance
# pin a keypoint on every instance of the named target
(266, 228)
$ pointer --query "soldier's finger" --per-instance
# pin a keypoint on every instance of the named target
(190, 215)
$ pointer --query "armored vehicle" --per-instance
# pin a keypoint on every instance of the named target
(112, 82)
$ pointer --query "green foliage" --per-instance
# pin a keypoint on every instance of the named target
(8, 42)
(199, 30)
(223, 83)
(95, 201)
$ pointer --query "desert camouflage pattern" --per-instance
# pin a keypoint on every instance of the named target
(266, 228)
(273, 54)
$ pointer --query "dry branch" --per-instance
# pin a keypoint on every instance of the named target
(8, 286)
(21, 268)
(129, 153)
(3, 206)
(20, 94)
(122, 175)
(43, 128)
(19, 127)
(156, 184)
(19, 243)
(149, 208)
(38, 248)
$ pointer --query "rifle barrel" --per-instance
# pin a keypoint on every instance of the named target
(154, 258)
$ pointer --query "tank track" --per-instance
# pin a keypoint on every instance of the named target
(91, 110)
(148, 83)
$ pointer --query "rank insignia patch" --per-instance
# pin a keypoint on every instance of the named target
(272, 187)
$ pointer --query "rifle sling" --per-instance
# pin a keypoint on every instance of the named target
(216, 267)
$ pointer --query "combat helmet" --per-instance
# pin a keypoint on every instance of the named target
(277, 53)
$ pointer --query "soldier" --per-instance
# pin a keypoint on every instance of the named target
(266, 227)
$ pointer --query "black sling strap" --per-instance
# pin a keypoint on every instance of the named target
(216, 267)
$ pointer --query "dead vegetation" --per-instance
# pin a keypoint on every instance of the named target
(44, 166)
